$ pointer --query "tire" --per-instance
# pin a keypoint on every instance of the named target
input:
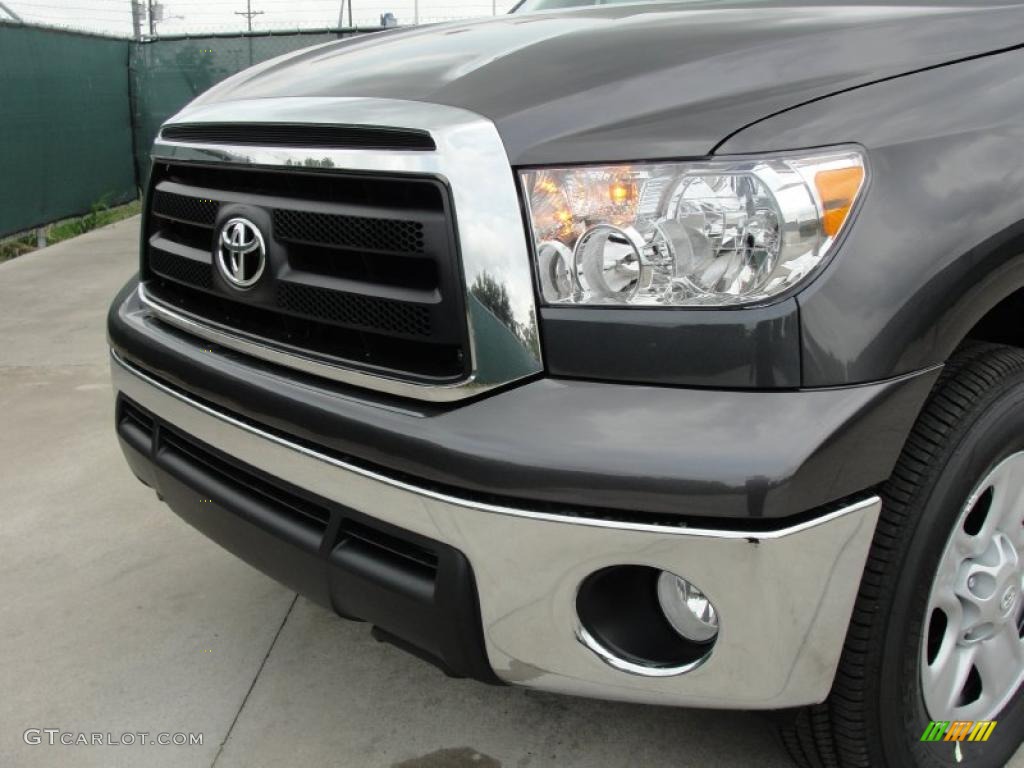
(876, 712)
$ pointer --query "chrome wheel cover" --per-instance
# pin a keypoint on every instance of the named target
(972, 650)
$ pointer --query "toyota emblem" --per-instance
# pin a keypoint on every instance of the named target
(241, 253)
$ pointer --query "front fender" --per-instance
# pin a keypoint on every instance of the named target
(939, 238)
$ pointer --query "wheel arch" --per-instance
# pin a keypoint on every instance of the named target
(1002, 323)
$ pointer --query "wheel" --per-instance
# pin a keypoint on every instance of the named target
(937, 632)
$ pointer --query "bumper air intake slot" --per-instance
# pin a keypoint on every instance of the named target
(418, 593)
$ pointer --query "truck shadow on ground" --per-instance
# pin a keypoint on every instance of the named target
(379, 706)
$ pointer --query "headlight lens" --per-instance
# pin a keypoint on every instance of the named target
(704, 233)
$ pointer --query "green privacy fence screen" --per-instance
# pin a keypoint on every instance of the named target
(65, 125)
(167, 73)
(78, 113)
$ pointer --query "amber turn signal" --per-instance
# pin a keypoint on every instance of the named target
(838, 188)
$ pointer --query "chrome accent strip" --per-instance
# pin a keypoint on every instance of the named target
(631, 667)
(667, 528)
(231, 338)
(504, 340)
(785, 596)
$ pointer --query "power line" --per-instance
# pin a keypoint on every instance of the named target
(9, 12)
(207, 16)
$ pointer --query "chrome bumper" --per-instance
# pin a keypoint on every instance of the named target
(784, 598)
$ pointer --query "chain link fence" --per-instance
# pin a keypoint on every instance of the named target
(169, 72)
(65, 125)
(80, 112)
(200, 18)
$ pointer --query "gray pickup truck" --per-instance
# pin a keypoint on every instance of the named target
(667, 352)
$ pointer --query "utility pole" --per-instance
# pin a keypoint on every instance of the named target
(11, 13)
(137, 19)
(341, 14)
(157, 16)
(416, 12)
(248, 13)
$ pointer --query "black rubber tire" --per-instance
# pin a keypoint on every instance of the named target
(875, 715)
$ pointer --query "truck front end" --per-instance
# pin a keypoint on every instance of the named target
(484, 336)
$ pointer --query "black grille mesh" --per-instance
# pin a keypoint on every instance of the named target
(361, 268)
(353, 309)
(194, 210)
(395, 235)
(181, 269)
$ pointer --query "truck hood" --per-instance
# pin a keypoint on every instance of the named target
(636, 81)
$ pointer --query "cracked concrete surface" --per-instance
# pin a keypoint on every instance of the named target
(117, 617)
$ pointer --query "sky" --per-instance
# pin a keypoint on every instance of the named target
(199, 16)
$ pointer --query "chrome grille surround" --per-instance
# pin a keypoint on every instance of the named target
(470, 158)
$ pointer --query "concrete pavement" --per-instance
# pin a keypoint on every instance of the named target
(117, 617)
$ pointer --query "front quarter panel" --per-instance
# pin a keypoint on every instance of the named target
(939, 237)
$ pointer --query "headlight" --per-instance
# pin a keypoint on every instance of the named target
(705, 233)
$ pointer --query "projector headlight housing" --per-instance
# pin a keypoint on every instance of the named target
(703, 233)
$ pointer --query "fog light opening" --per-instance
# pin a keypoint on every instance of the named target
(639, 622)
